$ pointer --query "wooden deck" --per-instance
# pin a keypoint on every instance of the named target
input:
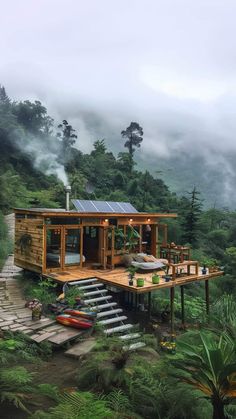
(118, 277)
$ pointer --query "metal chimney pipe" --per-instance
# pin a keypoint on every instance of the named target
(68, 190)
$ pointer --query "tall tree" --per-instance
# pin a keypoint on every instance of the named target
(134, 136)
(4, 99)
(99, 147)
(191, 215)
(68, 137)
(33, 117)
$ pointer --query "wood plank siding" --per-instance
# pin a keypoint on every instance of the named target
(29, 257)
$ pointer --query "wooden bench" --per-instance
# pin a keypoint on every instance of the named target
(187, 263)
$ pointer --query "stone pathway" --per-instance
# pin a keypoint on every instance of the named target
(14, 316)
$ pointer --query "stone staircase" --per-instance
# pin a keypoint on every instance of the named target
(109, 315)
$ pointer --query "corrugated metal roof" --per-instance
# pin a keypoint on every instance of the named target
(103, 206)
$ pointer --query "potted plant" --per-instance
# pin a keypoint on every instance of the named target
(155, 278)
(140, 282)
(211, 264)
(131, 270)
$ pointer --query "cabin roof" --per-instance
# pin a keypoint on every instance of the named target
(48, 212)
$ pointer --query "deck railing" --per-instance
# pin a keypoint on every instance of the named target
(175, 253)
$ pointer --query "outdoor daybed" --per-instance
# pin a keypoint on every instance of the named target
(148, 262)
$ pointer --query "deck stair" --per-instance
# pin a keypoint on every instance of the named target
(102, 306)
(113, 320)
(109, 314)
(97, 292)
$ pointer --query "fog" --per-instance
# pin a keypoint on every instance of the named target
(169, 65)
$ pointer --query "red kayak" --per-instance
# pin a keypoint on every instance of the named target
(77, 322)
(90, 315)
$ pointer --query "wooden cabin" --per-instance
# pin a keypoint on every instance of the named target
(94, 234)
(90, 241)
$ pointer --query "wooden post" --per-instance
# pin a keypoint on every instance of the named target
(153, 240)
(112, 247)
(172, 319)
(165, 235)
(132, 299)
(62, 250)
(149, 304)
(44, 256)
(125, 232)
(182, 306)
(207, 296)
(105, 248)
(136, 302)
(140, 238)
(81, 245)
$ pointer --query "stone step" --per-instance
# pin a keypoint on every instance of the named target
(113, 320)
(88, 287)
(96, 300)
(66, 336)
(81, 348)
(134, 346)
(98, 292)
(118, 329)
(5, 323)
(102, 306)
(109, 313)
(36, 325)
(42, 337)
(130, 336)
(7, 316)
(83, 282)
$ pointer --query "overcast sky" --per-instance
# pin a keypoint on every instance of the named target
(168, 64)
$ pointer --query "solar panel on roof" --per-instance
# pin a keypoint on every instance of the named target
(82, 205)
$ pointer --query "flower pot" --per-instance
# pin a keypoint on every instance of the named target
(167, 278)
(140, 282)
(155, 279)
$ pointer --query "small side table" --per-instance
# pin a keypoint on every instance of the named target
(187, 263)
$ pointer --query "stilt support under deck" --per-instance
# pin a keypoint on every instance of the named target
(182, 306)
(149, 304)
(207, 296)
(172, 319)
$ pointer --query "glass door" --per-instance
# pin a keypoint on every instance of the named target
(53, 247)
(73, 253)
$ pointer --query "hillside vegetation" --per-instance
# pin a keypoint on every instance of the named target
(37, 158)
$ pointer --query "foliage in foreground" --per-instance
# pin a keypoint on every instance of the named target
(16, 383)
(209, 366)
(16, 386)
(85, 405)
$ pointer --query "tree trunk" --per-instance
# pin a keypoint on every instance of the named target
(218, 409)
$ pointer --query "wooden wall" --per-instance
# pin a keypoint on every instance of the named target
(30, 258)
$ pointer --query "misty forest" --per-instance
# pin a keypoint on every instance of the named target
(195, 378)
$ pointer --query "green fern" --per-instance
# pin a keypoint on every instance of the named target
(77, 406)
(16, 386)
(118, 401)
(50, 391)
